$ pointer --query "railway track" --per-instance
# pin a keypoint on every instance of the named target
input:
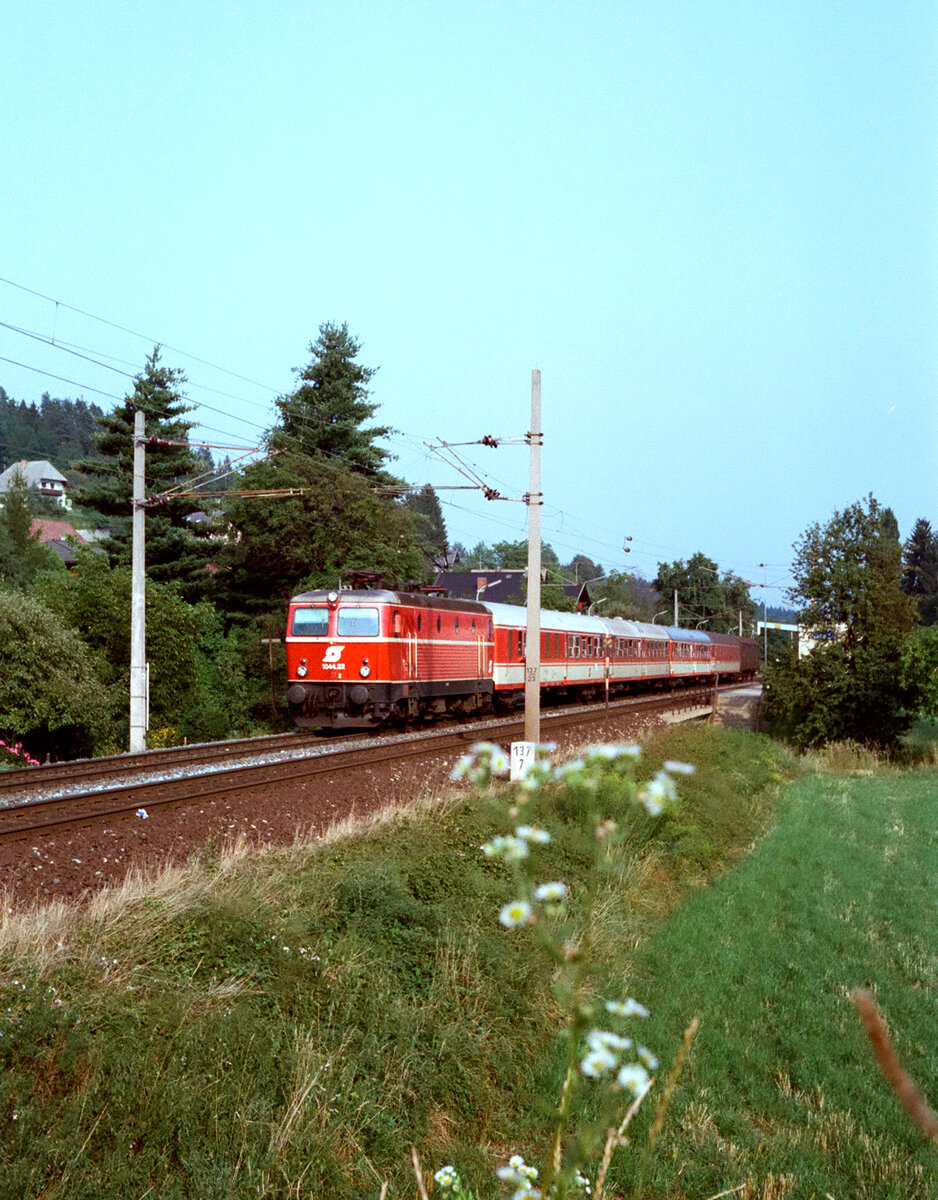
(93, 791)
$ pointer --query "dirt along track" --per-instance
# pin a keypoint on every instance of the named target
(68, 861)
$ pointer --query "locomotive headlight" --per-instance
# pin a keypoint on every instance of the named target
(302, 670)
(364, 670)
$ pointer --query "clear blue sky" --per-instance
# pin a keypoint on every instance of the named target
(712, 227)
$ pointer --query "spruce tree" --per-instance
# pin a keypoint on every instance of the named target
(424, 507)
(174, 552)
(325, 414)
(920, 570)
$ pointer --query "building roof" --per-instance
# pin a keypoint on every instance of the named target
(35, 473)
(499, 587)
(46, 529)
(56, 535)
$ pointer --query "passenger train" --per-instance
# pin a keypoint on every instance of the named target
(364, 658)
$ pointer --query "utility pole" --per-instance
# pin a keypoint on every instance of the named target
(765, 618)
(676, 622)
(138, 643)
(532, 663)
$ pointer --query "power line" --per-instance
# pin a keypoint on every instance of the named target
(135, 333)
(60, 378)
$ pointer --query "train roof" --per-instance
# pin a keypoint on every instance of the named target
(386, 596)
(515, 616)
(687, 635)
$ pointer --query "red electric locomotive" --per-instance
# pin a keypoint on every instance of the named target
(361, 658)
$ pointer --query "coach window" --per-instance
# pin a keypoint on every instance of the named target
(419, 621)
(357, 622)
(457, 624)
(438, 624)
(520, 644)
(310, 622)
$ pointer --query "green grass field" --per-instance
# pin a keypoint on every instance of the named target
(289, 1025)
(781, 1093)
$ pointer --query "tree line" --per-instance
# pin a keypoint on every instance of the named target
(58, 431)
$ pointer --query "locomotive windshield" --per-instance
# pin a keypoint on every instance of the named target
(310, 622)
(357, 622)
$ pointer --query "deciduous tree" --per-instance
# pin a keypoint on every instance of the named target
(52, 695)
(22, 556)
(705, 598)
(847, 583)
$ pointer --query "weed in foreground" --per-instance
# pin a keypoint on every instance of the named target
(607, 1071)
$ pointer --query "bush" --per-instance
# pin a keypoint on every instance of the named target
(52, 694)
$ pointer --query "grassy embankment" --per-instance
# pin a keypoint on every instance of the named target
(290, 1025)
(781, 1089)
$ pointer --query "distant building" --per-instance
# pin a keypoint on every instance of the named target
(60, 537)
(41, 475)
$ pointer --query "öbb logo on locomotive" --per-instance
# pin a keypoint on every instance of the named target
(407, 656)
(332, 659)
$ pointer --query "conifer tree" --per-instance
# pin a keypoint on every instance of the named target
(325, 414)
(424, 507)
(336, 521)
(174, 552)
(920, 573)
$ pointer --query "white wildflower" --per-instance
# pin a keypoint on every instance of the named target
(633, 1078)
(647, 1058)
(447, 1178)
(550, 892)
(626, 1008)
(500, 764)
(598, 1062)
(679, 768)
(657, 793)
(531, 833)
(511, 849)
(518, 912)
(603, 1039)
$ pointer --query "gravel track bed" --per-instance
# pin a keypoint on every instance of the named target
(80, 861)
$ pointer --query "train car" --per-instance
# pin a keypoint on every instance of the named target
(357, 659)
(361, 658)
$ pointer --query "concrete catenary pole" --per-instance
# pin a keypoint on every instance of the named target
(138, 642)
(532, 664)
